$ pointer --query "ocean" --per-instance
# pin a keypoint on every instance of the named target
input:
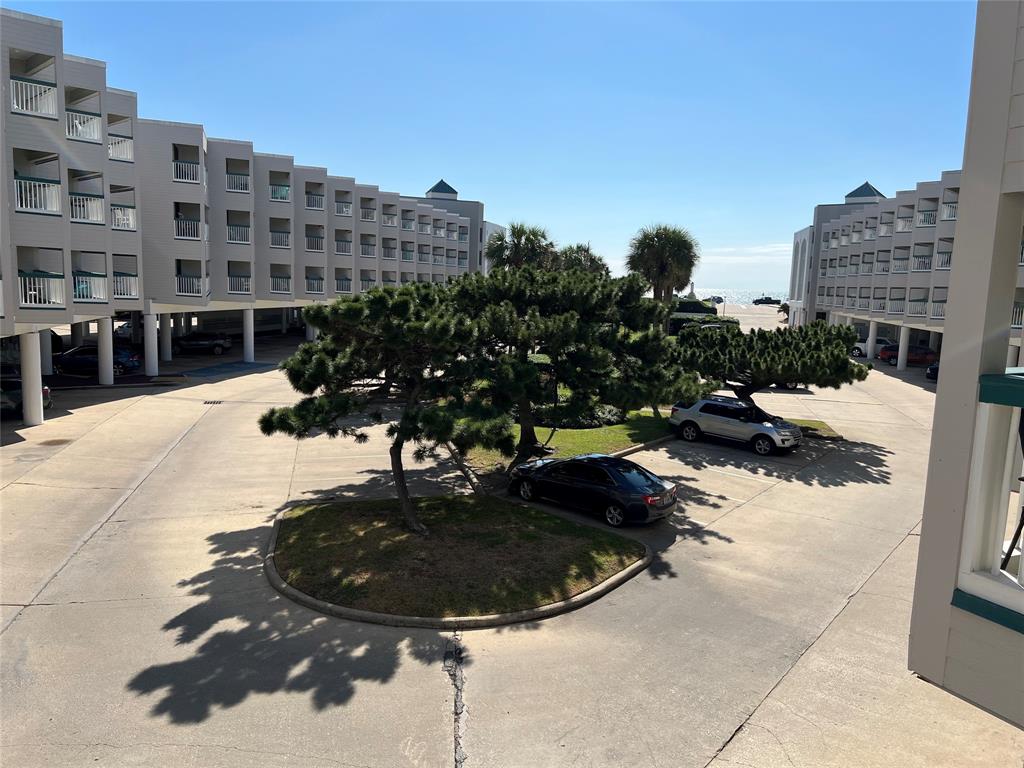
(739, 295)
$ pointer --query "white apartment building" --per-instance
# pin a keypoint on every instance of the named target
(104, 212)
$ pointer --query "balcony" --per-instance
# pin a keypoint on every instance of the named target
(343, 285)
(424, 229)
(389, 281)
(126, 286)
(451, 261)
(863, 303)
(844, 240)
(121, 148)
(922, 264)
(463, 262)
(855, 237)
(37, 195)
(315, 243)
(927, 218)
(367, 283)
(314, 201)
(238, 234)
(439, 231)
(878, 305)
(239, 284)
(314, 285)
(86, 209)
(122, 217)
(343, 247)
(944, 260)
(938, 310)
(342, 208)
(870, 234)
(851, 302)
(841, 272)
(867, 268)
(186, 229)
(33, 97)
(896, 306)
(186, 171)
(280, 284)
(1017, 315)
(189, 285)
(424, 258)
(389, 220)
(453, 235)
(882, 268)
(949, 211)
(83, 126)
(389, 253)
(367, 214)
(365, 249)
(822, 273)
(408, 256)
(853, 269)
(885, 229)
(280, 239)
(900, 266)
(281, 193)
(438, 259)
(904, 223)
(236, 182)
(463, 237)
(40, 289)
(917, 308)
(831, 271)
(408, 224)
(89, 287)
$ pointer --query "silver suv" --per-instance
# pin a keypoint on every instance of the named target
(736, 420)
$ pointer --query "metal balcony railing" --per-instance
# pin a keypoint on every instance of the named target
(89, 287)
(281, 193)
(365, 249)
(315, 243)
(367, 214)
(922, 264)
(186, 170)
(853, 269)
(896, 306)
(314, 201)
(342, 208)
(122, 217)
(125, 286)
(878, 305)
(408, 256)
(949, 211)
(189, 285)
(899, 266)
(389, 253)
(36, 195)
(409, 224)
(844, 240)
(904, 223)
(236, 182)
(867, 267)
(343, 285)
(463, 237)
(86, 208)
(439, 231)
(944, 260)
(1017, 315)
(423, 258)
(424, 229)
(926, 218)
(453, 235)
(186, 229)
(41, 290)
(438, 259)
(917, 308)
(83, 126)
(33, 97)
(882, 268)
(851, 302)
(869, 234)
(389, 220)
(314, 285)
(121, 148)
(280, 239)
(238, 234)
(367, 283)
(884, 229)
(855, 237)
(463, 262)
(938, 309)
(239, 284)
(863, 303)
(280, 284)
(343, 247)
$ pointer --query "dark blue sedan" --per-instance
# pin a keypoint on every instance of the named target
(85, 361)
(618, 490)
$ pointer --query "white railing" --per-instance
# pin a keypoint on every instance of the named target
(834, 243)
(314, 201)
(366, 249)
(869, 234)
(844, 240)
(896, 306)
(409, 224)
(315, 243)
(83, 125)
(439, 259)
(424, 229)
(922, 264)
(851, 302)
(343, 247)
(33, 97)
(238, 233)
(239, 283)
(389, 219)
(463, 237)
(343, 284)
(863, 303)
(89, 287)
(280, 192)
(884, 228)
(855, 237)
(831, 271)
(451, 261)
(917, 308)
(408, 256)
(453, 235)
(904, 223)
(122, 217)
(944, 260)
(367, 283)
(236, 182)
(867, 267)
(342, 208)
(126, 286)
(463, 262)
(314, 285)
(121, 148)
(41, 291)
(439, 231)
(823, 272)
(1017, 315)
(280, 284)
(389, 253)
(280, 239)
(38, 195)
(424, 258)
(853, 269)
(949, 211)
(926, 218)
(186, 170)
(882, 268)
(368, 214)
(938, 309)
(190, 285)
(841, 272)
(88, 208)
(186, 229)
(878, 305)
(899, 266)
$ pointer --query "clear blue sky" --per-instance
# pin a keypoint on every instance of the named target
(592, 120)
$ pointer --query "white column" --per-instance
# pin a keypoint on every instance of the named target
(1012, 356)
(248, 336)
(901, 355)
(310, 332)
(150, 346)
(105, 349)
(46, 352)
(77, 334)
(869, 349)
(933, 340)
(165, 338)
(31, 379)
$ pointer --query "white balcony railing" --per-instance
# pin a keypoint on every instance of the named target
(899, 266)
(86, 208)
(884, 228)
(439, 259)
(869, 234)
(853, 269)
(938, 309)
(343, 285)
(863, 303)
(189, 285)
(389, 253)
(238, 234)
(439, 231)
(424, 258)
(389, 220)
(424, 229)
(84, 126)
(882, 268)
(314, 285)
(844, 240)
(280, 284)
(949, 211)
(342, 208)
(917, 308)
(314, 201)
(1017, 315)
(186, 229)
(365, 249)
(89, 288)
(904, 223)
(121, 148)
(926, 218)
(409, 224)
(944, 260)
(126, 286)
(896, 306)
(368, 214)
(855, 237)
(236, 182)
(315, 243)
(878, 305)
(122, 217)
(463, 237)
(867, 267)
(408, 256)
(451, 261)
(922, 264)
(186, 170)
(282, 193)
(463, 262)
(453, 235)
(280, 239)
(851, 302)
(367, 283)
(33, 97)
(343, 247)
(239, 284)
(37, 195)
(41, 290)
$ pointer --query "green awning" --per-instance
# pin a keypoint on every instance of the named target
(1002, 388)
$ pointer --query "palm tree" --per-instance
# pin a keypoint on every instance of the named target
(665, 256)
(520, 246)
(582, 256)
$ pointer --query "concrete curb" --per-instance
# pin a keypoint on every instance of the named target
(454, 622)
(644, 446)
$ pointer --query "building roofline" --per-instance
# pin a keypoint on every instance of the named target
(31, 17)
(172, 123)
(84, 60)
(123, 92)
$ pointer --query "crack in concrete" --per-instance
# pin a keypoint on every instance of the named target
(453, 658)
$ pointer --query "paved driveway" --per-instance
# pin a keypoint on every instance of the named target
(139, 630)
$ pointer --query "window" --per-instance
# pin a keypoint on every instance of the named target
(636, 476)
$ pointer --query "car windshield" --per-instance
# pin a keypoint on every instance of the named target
(636, 476)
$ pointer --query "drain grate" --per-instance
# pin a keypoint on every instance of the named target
(213, 402)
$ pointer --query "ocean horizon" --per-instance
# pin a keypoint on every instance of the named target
(739, 295)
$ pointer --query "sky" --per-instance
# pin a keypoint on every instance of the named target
(591, 120)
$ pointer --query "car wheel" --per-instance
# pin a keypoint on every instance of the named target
(892, 360)
(689, 431)
(790, 385)
(526, 490)
(218, 350)
(118, 369)
(614, 516)
(762, 445)
(857, 352)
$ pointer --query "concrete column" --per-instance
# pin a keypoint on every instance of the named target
(933, 340)
(77, 334)
(1012, 356)
(31, 379)
(105, 349)
(284, 320)
(869, 349)
(310, 332)
(248, 336)
(150, 347)
(901, 355)
(165, 338)
(46, 352)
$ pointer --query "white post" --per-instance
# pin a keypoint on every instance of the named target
(869, 350)
(77, 334)
(904, 348)
(165, 337)
(150, 347)
(1012, 356)
(933, 340)
(310, 332)
(46, 352)
(31, 380)
(105, 344)
(248, 335)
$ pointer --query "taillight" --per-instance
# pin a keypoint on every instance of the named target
(651, 500)
(674, 409)
(46, 391)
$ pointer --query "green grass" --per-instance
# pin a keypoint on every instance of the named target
(484, 555)
(815, 428)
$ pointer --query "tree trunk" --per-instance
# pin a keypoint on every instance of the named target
(745, 391)
(466, 470)
(412, 522)
(657, 413)
(527, 432)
